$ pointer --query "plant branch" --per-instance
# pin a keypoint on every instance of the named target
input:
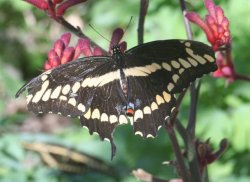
(228, 56)
(193, 108)
(182, 130)
(142, 15)
(193, 90)
(181, 167)
(242, 77)
(77, 31)
(174, 142)
(186, 22)
(191, 151)
(180, 98)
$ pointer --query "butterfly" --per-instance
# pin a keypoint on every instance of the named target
(136, 87)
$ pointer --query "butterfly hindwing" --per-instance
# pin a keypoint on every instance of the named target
(105, 112)
(153, 104)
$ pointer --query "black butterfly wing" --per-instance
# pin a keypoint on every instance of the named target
(105, 112)
(180, 61)
(156, 71)
(68, 89)
(153, 105)
(88, 88)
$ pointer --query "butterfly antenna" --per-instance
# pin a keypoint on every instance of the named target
(128, 24)
(99, 33)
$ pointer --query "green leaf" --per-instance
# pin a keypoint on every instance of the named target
(241, 128)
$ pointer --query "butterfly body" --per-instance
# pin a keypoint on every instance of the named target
(137, 86)
(119, 58)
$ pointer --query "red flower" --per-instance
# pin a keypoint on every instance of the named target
(96, 51)
(87, 49)
(62, 53)
(225, 68)
(216, 25)
(55, 8)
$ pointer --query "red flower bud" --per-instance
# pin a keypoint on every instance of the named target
(86, 50)
(116, 37)
(68, 54)
(53, 59)
(54, 62)
(67, 4)
(47, 65)
(40, 4)
(56, 1)
(59, 47)
(78, 48)
(123, 46)
(66, 38)
(97, 51)
(52, 53)
(55, 8)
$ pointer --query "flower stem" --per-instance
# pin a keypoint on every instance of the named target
(191, 151)
(179, 157)
(77, 31)
(142, 14)
(186, 22)
(193, 108)
(242, 77)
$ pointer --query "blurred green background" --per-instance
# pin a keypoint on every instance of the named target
(26, 35)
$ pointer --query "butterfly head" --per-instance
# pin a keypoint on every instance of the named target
(116, 50)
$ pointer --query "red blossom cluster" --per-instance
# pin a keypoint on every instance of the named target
(62, 53)
(55, 8)
(216, 28)
(215, 25)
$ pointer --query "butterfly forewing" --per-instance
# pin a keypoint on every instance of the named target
(180, 61)
(67, 89)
